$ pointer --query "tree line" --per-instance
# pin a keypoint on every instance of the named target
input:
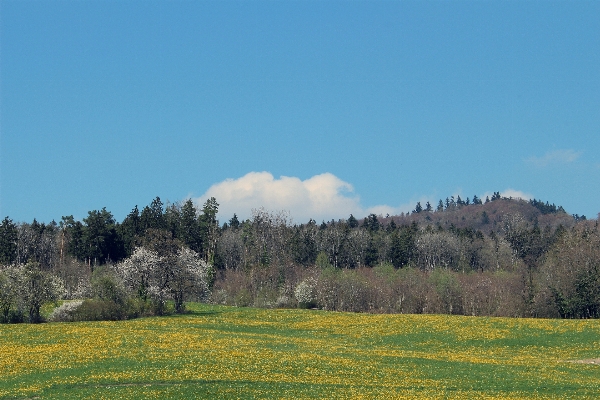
(500, 256)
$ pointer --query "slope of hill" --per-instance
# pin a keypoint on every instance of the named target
(488, 217)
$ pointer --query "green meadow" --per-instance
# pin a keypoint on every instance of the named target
(226, 352)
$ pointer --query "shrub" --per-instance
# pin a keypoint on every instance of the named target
(99, 310)
(13, 316)
(105, 310)
(106, 286)
(65, 312)
(306, 293)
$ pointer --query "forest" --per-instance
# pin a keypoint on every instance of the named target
(493, 257)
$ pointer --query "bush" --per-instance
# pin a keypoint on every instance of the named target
(99, 310)
(105, 310)
(345, 290)
(12, 317)
(65, 312)
(447, 294)
(306, 293)
(106, 286)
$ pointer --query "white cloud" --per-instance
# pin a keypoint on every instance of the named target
(323, 196)
(403, 208)
(510, 193)
(385, 209)
(516, 194)
(565, 156)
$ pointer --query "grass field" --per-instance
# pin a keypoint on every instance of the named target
(224, 352)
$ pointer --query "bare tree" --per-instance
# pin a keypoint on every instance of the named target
(230, 249)
(570, 275)
(437, 249)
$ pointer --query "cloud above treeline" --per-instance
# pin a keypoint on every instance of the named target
(510, 193)
(321, 197)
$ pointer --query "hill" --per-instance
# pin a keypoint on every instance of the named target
(488, 217)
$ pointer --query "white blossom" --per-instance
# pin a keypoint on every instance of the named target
(305, 291)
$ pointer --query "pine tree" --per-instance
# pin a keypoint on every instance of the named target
(418, 208)
(440, 206)
(352, 222)
(8, 241)
(189, 229)
(371, 223)
(152, 216)
(131, 229)
(234, 223)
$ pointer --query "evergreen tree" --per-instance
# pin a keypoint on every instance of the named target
(391, 226)
(75, 232)
(189, 229)
(172, 219)
(234, 223)
(100, 238)
(371, 223)
(152, 216)
(484, 218)
(371, 254)
(131, 229)
(303, 244)
(8, 241)
(352, 222)
(209, 229)
(440, 206)
(402, 245)
(418, 208)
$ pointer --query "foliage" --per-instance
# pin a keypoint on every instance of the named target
(9, 295)
(65, 312)
(501, 257)
(570, 275)
(546, 208)
(8, 241)
(24, 290)
(101, 240)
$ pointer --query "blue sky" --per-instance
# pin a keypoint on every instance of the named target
(319, 107)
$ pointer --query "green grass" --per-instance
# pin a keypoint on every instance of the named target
(227, 352)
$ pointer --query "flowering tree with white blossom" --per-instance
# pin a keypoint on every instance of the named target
(176, 277)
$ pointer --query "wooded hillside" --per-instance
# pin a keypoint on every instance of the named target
(494, 257)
